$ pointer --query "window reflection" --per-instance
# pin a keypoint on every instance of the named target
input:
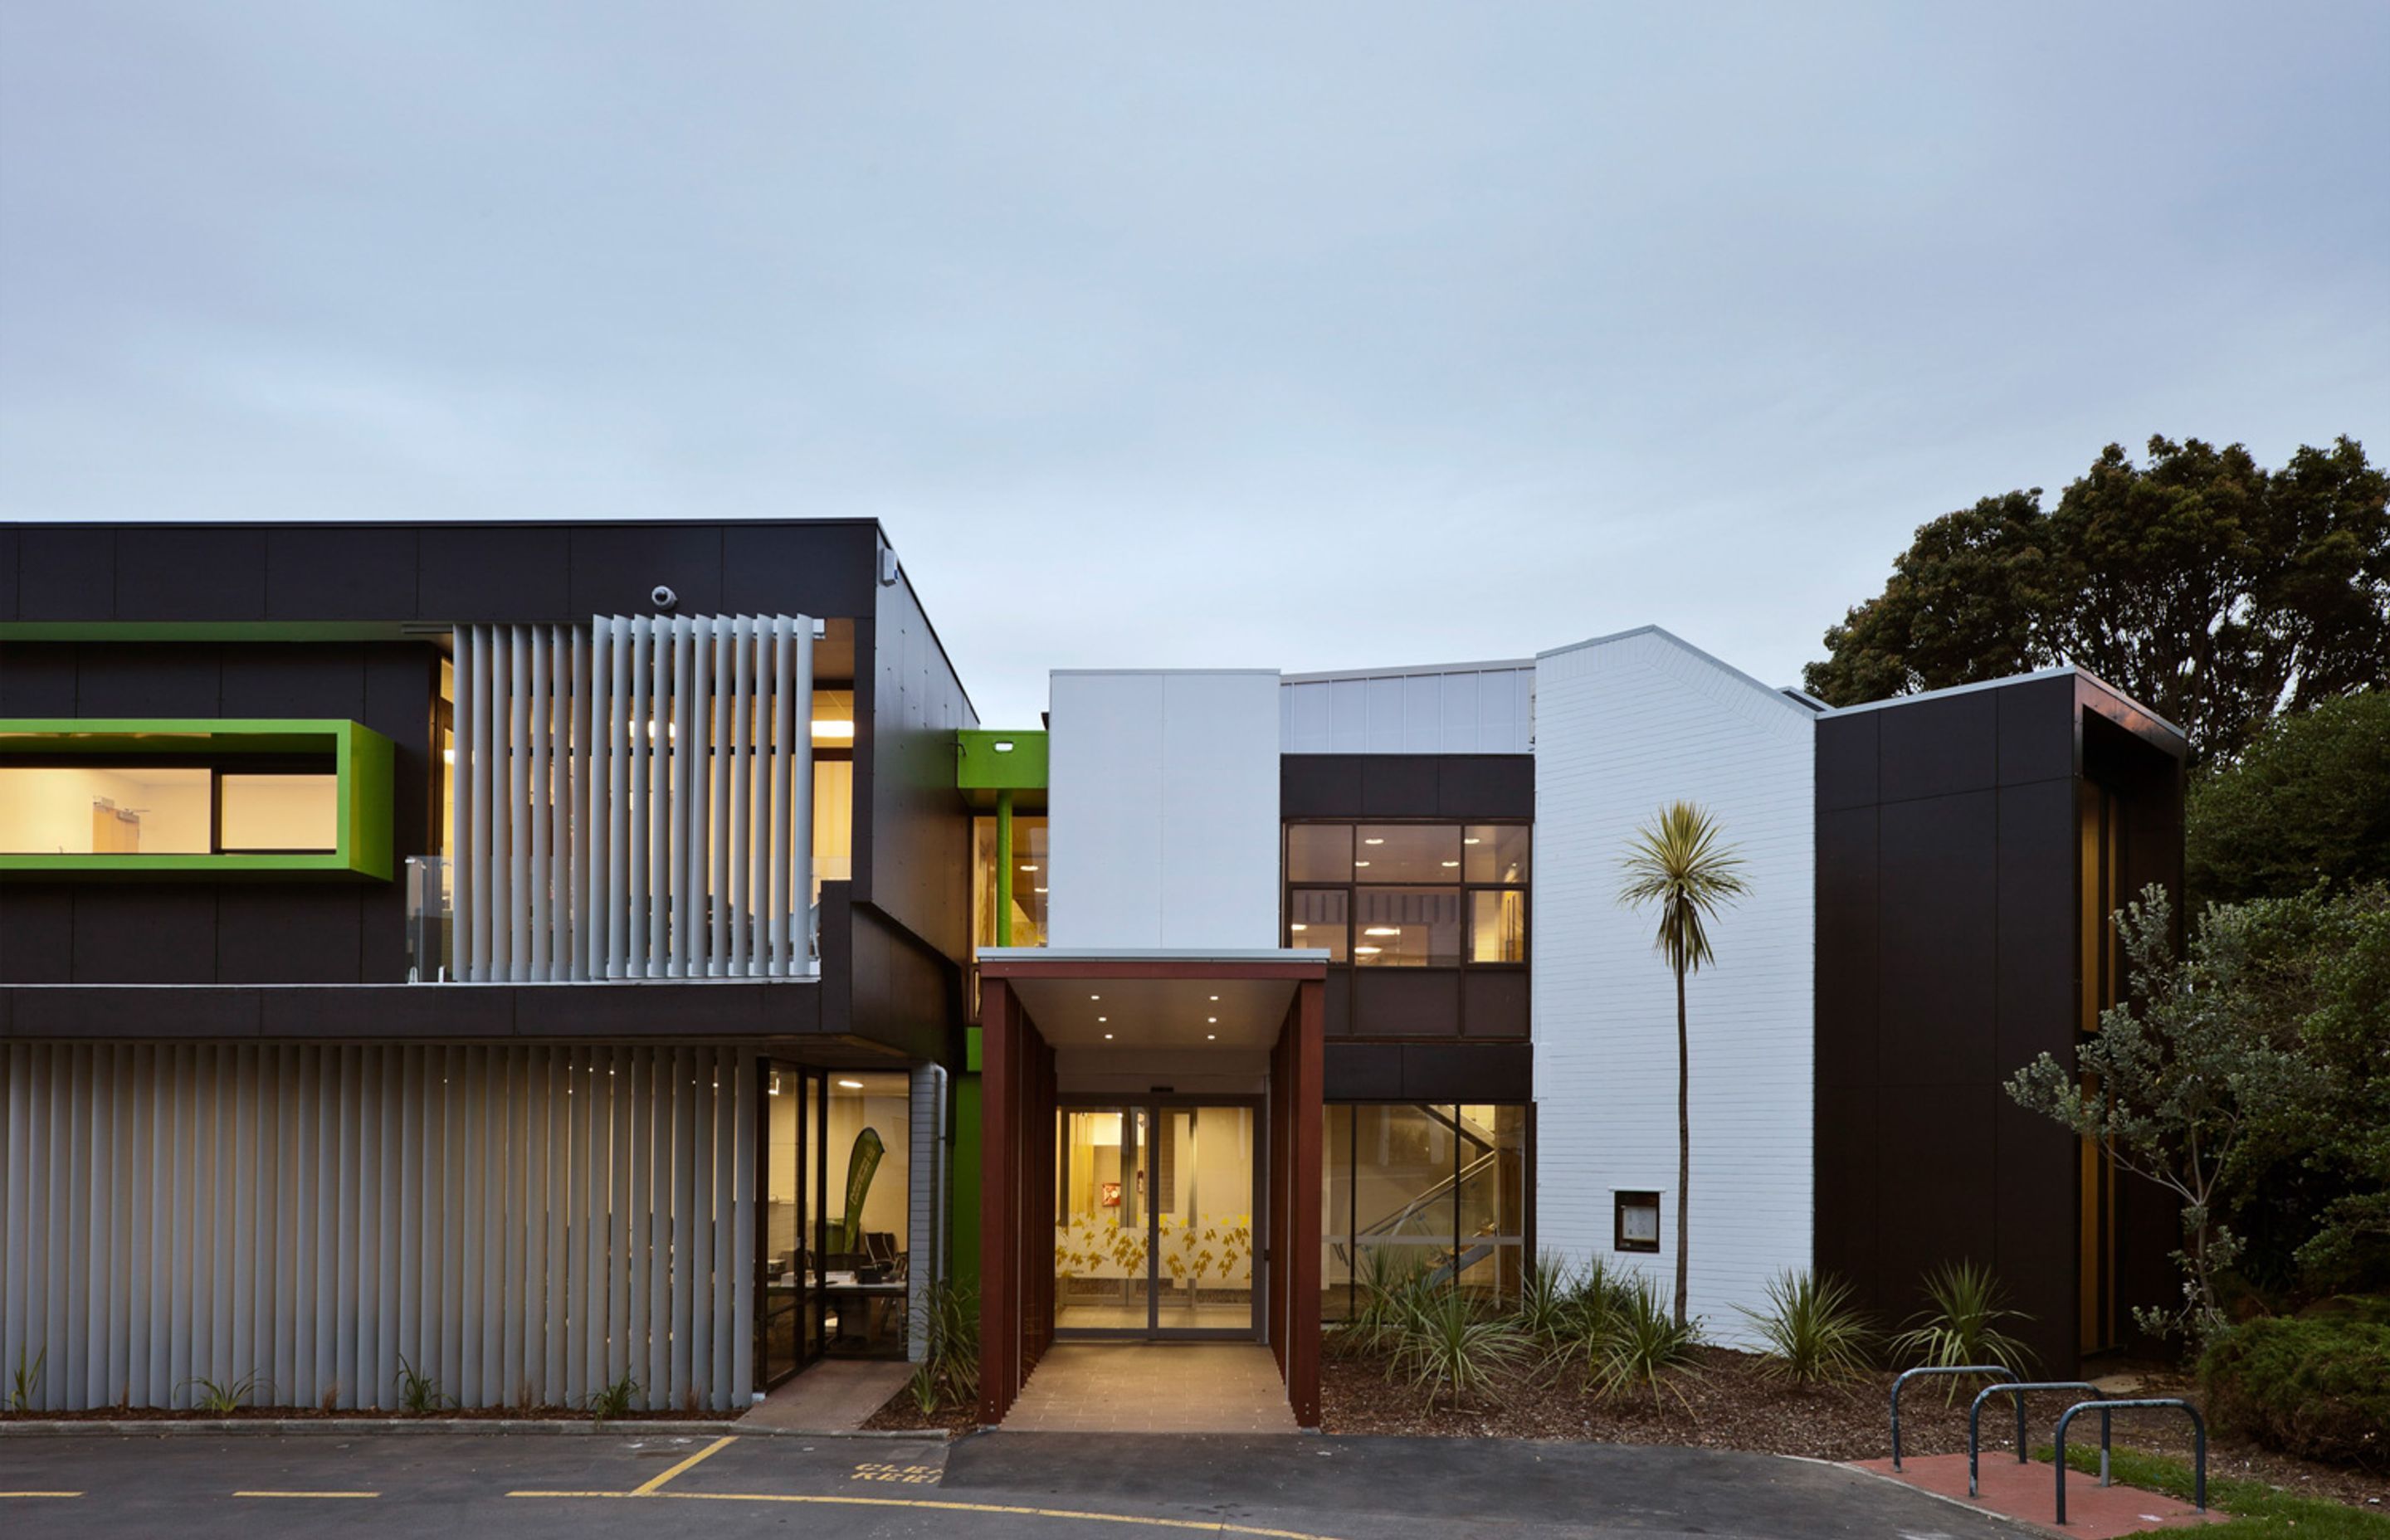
(1409, 895)
(1407, 927)
(1429, 1191)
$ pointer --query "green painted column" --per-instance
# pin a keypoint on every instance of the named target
(1004, 868)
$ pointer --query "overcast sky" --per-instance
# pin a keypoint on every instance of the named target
(1296, 335)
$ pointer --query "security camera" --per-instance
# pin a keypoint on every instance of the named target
(663, 598)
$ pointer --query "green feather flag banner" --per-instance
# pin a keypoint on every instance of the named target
(861, 1167)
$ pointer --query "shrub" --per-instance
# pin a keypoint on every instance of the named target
(1384, 1298)
(1962, 1324)
(1813, 1333)
(948, 1372)
(1641, 1347)
(1545, 1294)
(613, 1403)
(224, 1397)
(418, 1395)
(1444, 1345)
(25, 1382)
(2316, 1386)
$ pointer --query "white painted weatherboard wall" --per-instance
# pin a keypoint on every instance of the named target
(1624, 725)
(1163, 821)
(1447, 709)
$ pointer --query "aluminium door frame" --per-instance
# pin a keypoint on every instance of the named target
(1153, 1103)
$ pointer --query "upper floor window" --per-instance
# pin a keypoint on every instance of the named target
(137, 807)
(1408, 894)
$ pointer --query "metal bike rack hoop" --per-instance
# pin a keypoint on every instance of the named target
(2017, 1389)
(2106, 1409)
(1907, 1375)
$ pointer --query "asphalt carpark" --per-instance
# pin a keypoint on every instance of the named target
(999, 1484)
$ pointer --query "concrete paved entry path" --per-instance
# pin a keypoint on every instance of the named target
(1154, 1387)
(834, 1396)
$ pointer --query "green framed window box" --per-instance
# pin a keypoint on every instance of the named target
(197, 797)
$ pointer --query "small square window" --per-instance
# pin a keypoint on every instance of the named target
(1637, 1222)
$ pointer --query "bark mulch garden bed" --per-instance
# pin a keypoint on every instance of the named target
(1728, 1402)
(898, 1415)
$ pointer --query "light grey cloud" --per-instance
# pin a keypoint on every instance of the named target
(1312, 337)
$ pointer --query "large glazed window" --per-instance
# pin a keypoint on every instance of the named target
(1022, 887)
(144, 809)
(1422, 1191)
(1409, 895)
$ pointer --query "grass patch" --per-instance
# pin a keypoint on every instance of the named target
(2256, 1509)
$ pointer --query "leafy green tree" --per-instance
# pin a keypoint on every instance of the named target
(2308, 800)
(1677, 864)
(2210, 589)
(2181, 1083)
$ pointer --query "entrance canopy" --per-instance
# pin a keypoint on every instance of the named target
(1178, 999)
(1141, 1018)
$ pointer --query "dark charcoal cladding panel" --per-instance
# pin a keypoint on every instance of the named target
(505, 573)
(1318, 786)
(1849, 966)
(8, 574)
(65, 575)
(356, 573)
(145, 934)
(1406, 1002)
(1938, 907)
(1336, 1002)
(37, 679)
(36, 934)
(1848, 1137)
(1931, 748)
(1364, 1071)
(271, 679)
(1493, 1002)
(190, 574)
(177, 679)
(1847, 760)
(284, 934)
(1406, 786)
(615, 568)
(1469, 1072)
(2036, 730)
(2038, 900)
(2033, 1210)
(1400, 786)
(1935, 1184)
(1485, 785)
(805, 570)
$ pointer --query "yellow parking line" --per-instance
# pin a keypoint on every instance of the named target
(1211, 1526)
(651, 1486)
(40, 1494)
(306, 1494)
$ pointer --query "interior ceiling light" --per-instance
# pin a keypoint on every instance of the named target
(1036, 890)
(1216, 997)
(1383, 931)
(1032, 866)
(1103, 1017)
(1472, 840)
(852, 1084)
(1367, 951)
(830, 726)
(1452, 863)
(1095, 996)
(1373, 841)
(1210, 1037)
(1212, 1018)
(1108, 1037)
(1360, 863)
(1298, 925)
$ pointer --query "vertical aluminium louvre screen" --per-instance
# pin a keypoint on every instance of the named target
(634, 801)
(526, 1226)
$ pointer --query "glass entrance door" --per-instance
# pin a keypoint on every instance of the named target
(1156, 1218)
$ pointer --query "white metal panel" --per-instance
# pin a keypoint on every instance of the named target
(1219, 810)
(1103, 799)
(312, 1215)
(1623, 726)
(1463, 709)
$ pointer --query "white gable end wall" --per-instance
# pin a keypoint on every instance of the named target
(1625, 726)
